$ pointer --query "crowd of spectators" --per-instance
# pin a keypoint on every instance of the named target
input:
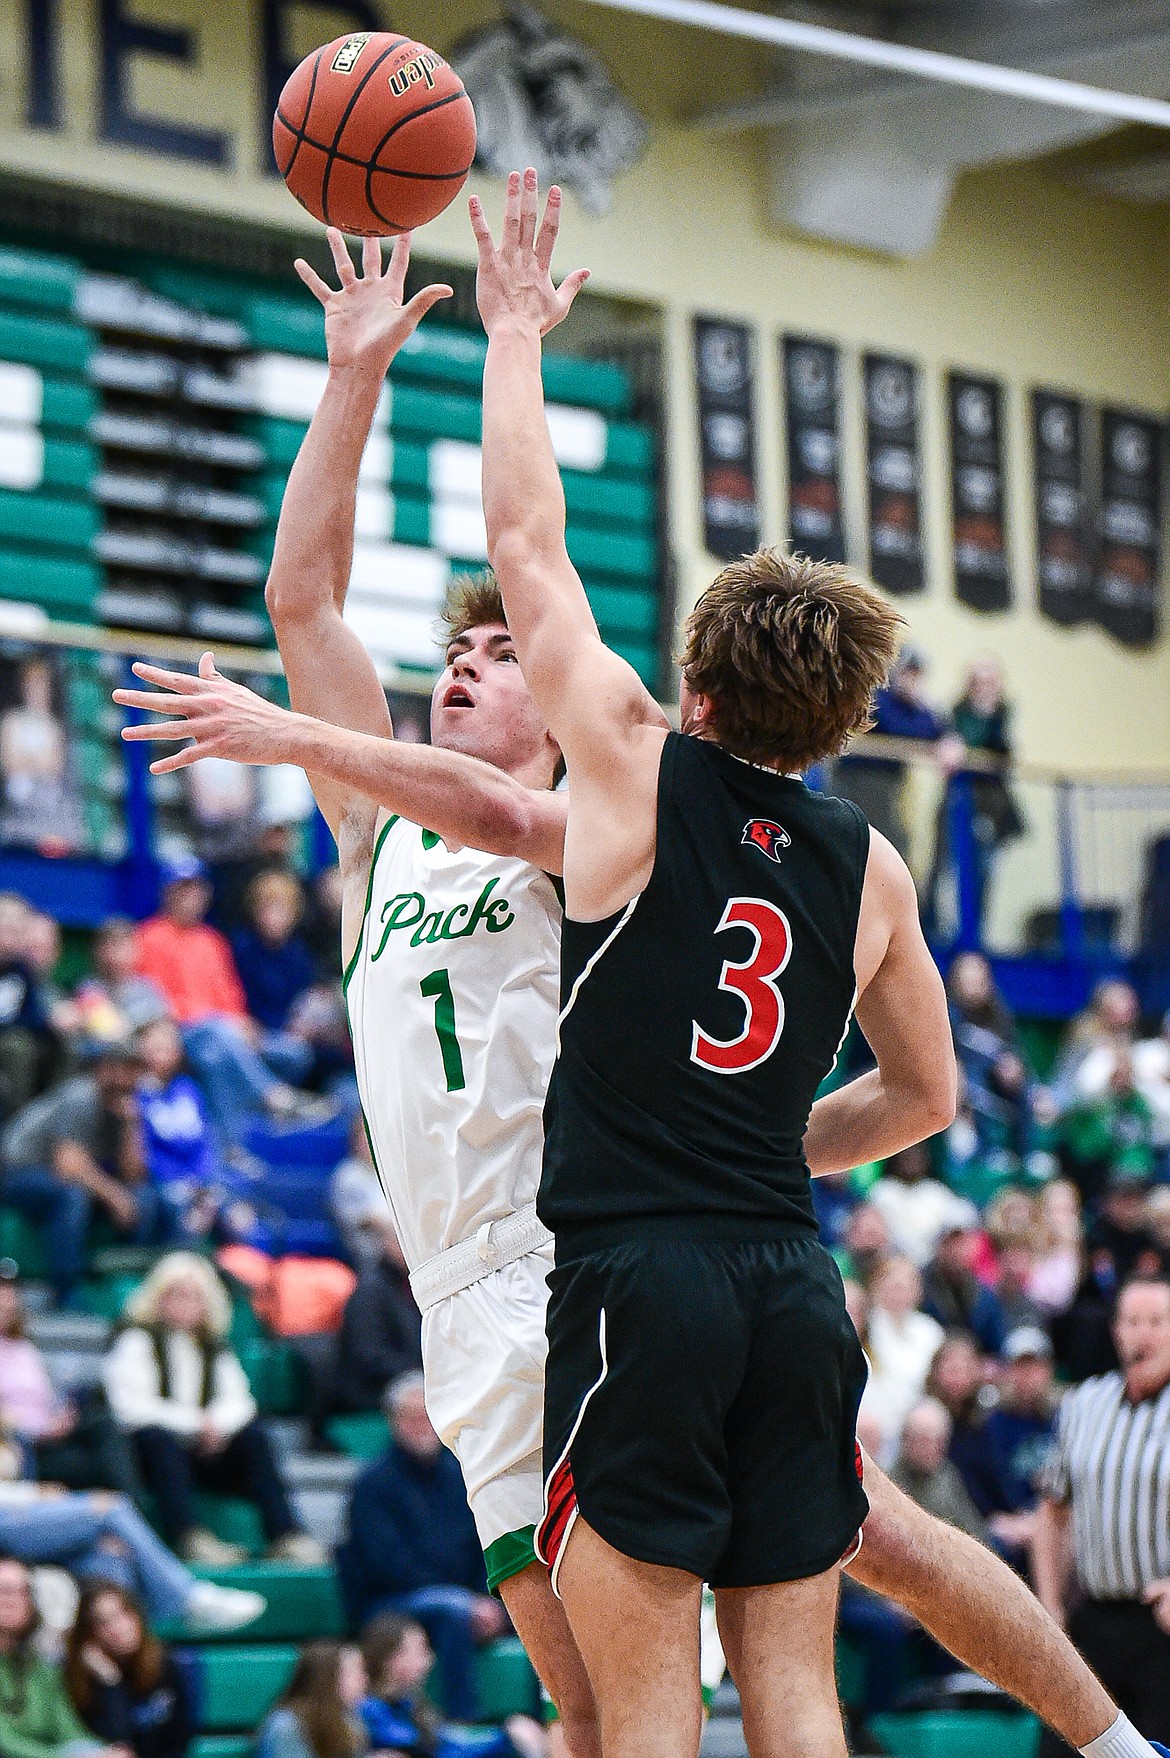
(126, 1098)
(983, 1270)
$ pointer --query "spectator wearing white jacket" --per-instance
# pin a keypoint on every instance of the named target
(901, 1344)
(176, 1385)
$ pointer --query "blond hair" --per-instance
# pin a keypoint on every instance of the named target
(142, 1308)
(789, 652)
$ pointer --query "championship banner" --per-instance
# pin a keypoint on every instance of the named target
(724, 373)
(1064, 552)
(893, 473)
(977, 492)
(1128, 585)
(812, 403)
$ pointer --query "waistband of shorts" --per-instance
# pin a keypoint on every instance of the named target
(495, 1244)
(580, 1238)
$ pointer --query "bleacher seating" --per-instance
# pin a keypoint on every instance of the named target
(149, 425)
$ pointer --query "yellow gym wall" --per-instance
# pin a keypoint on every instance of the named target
(1032, 281)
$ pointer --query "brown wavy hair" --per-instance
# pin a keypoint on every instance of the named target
(789, 652)
(472, 601)
(143, 1669)
(380, 1642)
(314, 1696)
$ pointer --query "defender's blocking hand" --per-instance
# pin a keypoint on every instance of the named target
(221, 718)
(366, 321)
(514, 283)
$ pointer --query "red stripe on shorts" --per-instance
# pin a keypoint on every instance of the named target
(560, 1508)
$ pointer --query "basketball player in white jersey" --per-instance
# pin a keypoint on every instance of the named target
(448, 951)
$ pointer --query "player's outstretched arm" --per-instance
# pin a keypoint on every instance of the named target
(459, 797)
(902, 1010)
(591, 698)
(330, 674)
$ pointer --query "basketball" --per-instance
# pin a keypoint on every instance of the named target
(374, 133)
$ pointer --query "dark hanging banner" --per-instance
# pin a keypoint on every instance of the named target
(1064, 544)
(977, 492)
(724, 372)
(893, 471)
(812, 398)
(1127, 586)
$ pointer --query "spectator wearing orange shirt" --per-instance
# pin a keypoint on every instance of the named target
(192, 964)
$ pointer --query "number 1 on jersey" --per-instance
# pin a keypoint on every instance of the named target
(753, 979)
(438, 985)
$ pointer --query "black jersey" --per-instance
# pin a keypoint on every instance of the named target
(698, 1023)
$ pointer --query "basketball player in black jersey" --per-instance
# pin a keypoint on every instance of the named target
(963, 1594)
(721, 921)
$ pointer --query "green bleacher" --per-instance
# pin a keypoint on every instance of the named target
(55, 550)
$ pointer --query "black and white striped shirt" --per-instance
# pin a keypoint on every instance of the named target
(1112, 1462)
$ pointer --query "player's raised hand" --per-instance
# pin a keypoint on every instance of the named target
(366, 320)
(514, 282)
(221, 718)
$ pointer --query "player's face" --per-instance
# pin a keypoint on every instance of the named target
(481, 704)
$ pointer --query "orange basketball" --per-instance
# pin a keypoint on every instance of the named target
(374, 133)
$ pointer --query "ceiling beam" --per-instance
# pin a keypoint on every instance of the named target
(903, 58)
(814, 103)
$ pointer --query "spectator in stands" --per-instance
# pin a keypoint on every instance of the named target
(958, 1380)
(1110, 1021)
(412, 1547)
(317, 1717)
(275, 963)
(902, 1344)
(901, 711)
(37, 1719)
(981, 719)
(1158, 1224)
(192, 964)
(103, 1537)
(1148, 1063)
(914, 1206)
(954, 1295)
(176, 1385)
(182, 1159)
(323, 922)
(399, 1718)
(1119, 1242)
(381, 1328)
(1057, 1269)
(77, 1149)
(997, 1086)
(357, 1201)
(1103, 1517)
(923, 1470)
(115, 1001)
(866, 1243)
(42, 948)
(29, 1044)
(122, 1681)
(1013, 1444)
(80, 1447)
(1107, 1137)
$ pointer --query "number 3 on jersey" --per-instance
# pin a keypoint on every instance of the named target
(753, 979)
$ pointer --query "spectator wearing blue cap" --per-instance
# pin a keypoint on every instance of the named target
(192, 964)
(77, 1150)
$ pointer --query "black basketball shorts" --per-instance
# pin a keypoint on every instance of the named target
(701, 1405)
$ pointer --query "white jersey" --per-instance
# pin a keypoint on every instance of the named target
(452, 993)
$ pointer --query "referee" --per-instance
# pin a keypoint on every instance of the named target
(1105, 1519)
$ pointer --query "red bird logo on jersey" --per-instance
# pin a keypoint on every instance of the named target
(768, 837)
